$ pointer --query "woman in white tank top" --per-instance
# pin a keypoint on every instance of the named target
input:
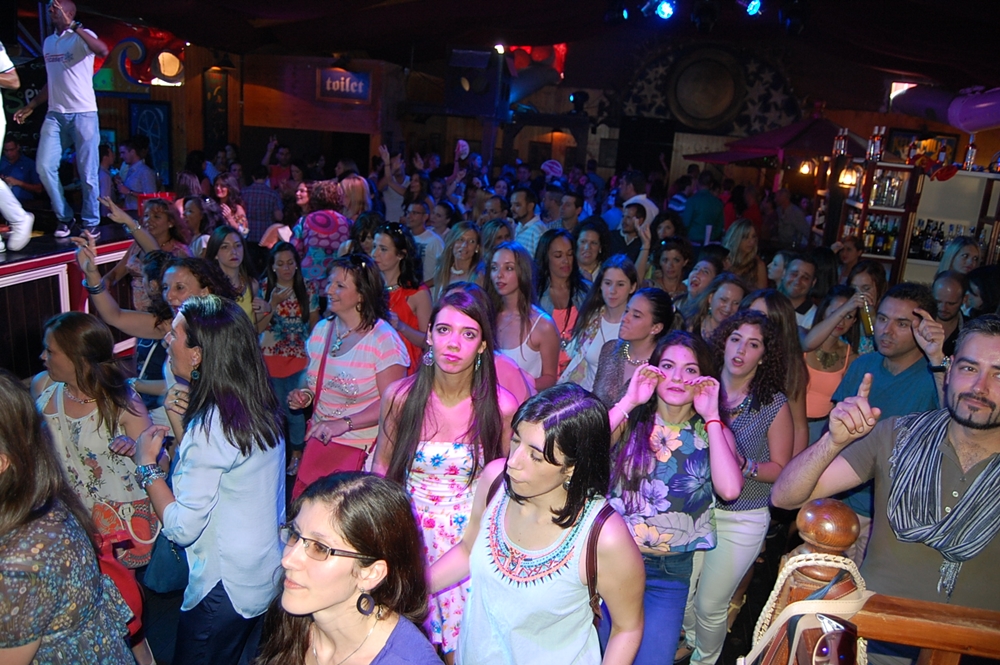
(525, 546)
(525, 333)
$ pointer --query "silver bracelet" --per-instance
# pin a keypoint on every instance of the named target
(147, 474)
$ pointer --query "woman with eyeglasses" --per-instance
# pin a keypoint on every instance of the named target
(228, 492)
(352, 590)
(438, 430)
(396, 255)
(354, 356)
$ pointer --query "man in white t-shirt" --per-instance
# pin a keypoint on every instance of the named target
(72, 116)
(429, 244)
(19, 220)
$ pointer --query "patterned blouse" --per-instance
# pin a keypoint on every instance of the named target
(750, 428)
(673, 509)
(284, 342)
(52, 590)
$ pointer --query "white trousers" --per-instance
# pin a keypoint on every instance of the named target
(10, 207)
(740, 535)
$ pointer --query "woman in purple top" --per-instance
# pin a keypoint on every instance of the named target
(352, 591)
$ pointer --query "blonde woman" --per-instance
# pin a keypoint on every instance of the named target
(357, 196)
(741, 241)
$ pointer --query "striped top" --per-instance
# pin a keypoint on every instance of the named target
(349, 384)
(750, 429)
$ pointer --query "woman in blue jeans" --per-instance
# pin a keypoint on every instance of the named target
(288, 309)
(672, 452)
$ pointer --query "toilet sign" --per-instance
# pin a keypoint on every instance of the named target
(334, 84)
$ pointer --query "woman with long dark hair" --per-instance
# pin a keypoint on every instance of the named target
(524, 545)
(289, 313)
(755, 409)
(715, 304)
(227, 194)
(462, 258)
(648, 317)
(561, 286)
(203, 216)
(353, 587)
(55, 603)
(670, 263)
(398, 259)
(228, 492)
(593, 246)
(227, 248)
(600, 319)
(359, 356)
(439, 429)
(525, 333)
(671, 453)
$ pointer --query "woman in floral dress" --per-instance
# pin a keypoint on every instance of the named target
(289, 311)
(439, 428)
(672, 452)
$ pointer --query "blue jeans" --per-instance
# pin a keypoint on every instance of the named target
(295, 421)
(667, 580)
(80, 130)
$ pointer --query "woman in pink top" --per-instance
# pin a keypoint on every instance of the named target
(365, 356)
(828, 363)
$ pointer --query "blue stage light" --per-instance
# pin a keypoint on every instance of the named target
(753, 7)
(665, 9)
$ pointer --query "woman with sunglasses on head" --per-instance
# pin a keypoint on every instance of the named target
(525, 545)
(672, 452)
(439, 429)
(292, 310)
(561, 286)
(228, 483)
(353, 591)
(755, 409)
(55, 604)
(600, 319)
(462, 258)
(525, 333)
(398, 259)
(354, 356)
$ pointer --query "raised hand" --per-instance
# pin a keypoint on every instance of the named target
(261, 306)
(272, 143)
(149, 444)
(929, 335)
(854, 417)
(706, 396)
(86, 256)
(383, 152)
(645, 231)
(642, 386)
(177, 399)
(418, 161)
(115, 214)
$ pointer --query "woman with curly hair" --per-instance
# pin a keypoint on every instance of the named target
(318, 235)
(396, 255)
(461, 260)
(227, 193)
(755, 409)
(741, 241)
(561, 286)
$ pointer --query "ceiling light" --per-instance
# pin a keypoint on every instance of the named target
(499, 48)
(617, 13)
(661, 8)
(752, 7)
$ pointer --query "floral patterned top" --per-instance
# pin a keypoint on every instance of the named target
(284, 342)
(673, 511)
(52, 590)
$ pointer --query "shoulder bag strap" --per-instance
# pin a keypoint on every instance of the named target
(592, 537)
(322, 365)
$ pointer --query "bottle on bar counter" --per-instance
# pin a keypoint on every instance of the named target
(970, 154)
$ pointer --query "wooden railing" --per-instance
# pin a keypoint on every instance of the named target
(942, 632)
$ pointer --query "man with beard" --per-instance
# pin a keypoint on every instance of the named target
(936, 473)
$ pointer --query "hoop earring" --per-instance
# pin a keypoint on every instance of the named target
(428, 358)
(479, 361)
(366, 603)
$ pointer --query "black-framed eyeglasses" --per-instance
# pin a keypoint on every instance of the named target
(315, 550)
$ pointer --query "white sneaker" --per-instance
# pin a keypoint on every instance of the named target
(64, 230)
(20, 234)
(3, 248)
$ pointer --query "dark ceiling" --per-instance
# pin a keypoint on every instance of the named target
(952, 43)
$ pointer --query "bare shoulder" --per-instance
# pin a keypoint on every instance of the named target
(507, 402)
(615, 538)
(39, 382)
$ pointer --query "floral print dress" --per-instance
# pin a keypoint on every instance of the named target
(673, 509)
(442, 496)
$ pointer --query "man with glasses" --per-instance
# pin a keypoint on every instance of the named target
(429, 244)
(72, 115)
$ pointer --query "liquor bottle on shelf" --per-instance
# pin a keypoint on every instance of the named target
(943, 153)
(869, 237)
(937, 243)
(951, 233)
(970, 154)
(879, 144)
(916, 241)
(928, 240)
(893, 238)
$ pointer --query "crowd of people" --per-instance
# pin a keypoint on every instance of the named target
(557, 389)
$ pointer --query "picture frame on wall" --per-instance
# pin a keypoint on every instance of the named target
(152, 120)
(928, 143)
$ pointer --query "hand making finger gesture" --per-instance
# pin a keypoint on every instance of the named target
(642, 386)
(854, 417)
(929, 335)
(86, 256)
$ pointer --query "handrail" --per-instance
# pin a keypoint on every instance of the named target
(942, 632)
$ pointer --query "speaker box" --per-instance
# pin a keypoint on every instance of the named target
(472, 82)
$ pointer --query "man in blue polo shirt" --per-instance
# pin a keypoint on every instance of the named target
(902, 369)
(18, 171)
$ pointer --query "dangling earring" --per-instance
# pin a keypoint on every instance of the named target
(195, 374)
(428, 358)
(366, 603)
(479, 361)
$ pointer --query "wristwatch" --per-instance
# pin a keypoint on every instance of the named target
(940, 369)
(75, 25)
